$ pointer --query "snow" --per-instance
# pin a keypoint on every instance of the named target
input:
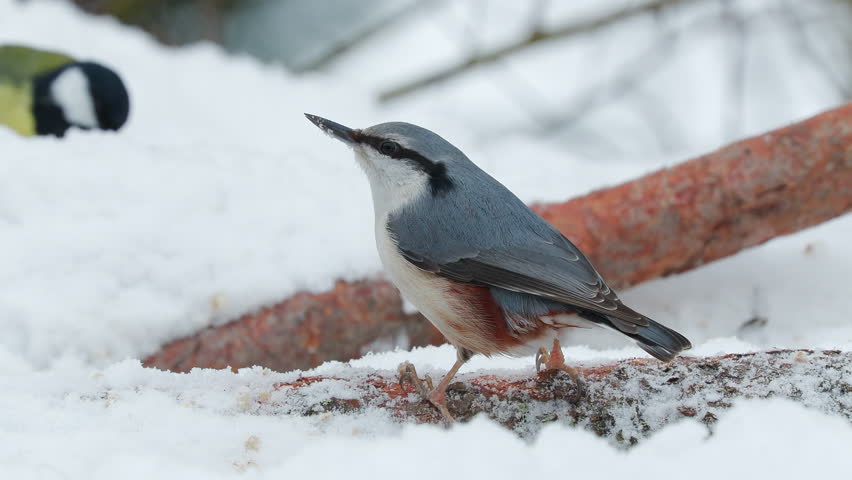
(129, 422)
(219, 198)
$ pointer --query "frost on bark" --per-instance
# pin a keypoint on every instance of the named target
(667, 222)
(623, 401)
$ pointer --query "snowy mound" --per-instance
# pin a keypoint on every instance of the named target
(129, 422)
(218, 198)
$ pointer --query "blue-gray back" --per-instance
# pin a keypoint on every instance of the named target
(479, 232)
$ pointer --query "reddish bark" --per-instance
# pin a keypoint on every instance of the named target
(624, 401)
(300, 332)
(667, 222)
(715, 205)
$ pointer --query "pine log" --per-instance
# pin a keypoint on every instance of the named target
(667, 222)
(624, 401)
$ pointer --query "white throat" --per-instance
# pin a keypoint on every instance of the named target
(393, 183)
(70, 90)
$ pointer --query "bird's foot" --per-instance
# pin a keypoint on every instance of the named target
(407, 373)
(555, 360)
(437, 396)
(542, 357)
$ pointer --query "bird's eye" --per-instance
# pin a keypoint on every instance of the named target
(389, 148)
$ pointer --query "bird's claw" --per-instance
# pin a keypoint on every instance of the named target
(439, 400)
(407, 373)
(542, 357)
(437, 397)
(554, 360)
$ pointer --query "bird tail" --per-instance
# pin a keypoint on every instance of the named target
(660, 341)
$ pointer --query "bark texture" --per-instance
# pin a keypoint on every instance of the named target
(303, 331)
(713, 206)
(624, 401)
(667, 222)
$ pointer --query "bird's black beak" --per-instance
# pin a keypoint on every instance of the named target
(338, 131)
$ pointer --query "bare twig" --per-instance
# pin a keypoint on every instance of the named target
(534, 38)
(810, 53)
(347, 44)
(526, 96)
(626, 81)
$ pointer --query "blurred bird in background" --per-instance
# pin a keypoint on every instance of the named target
(46, 93)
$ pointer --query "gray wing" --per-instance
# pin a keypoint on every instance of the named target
(481, 233)
(557, 272)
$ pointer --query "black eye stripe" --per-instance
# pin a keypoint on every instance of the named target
(438, 179)
(389, 148)
(399, 152)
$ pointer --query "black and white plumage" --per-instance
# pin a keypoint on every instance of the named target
(46, 93)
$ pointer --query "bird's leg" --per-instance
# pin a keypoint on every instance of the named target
(542, 356)
(438, 396)
(555, 361)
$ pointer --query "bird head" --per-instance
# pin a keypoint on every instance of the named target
(82, 94)
(401, 160)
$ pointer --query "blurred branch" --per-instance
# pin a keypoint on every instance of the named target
(536, 37)
(632, 75)
(355, 40)
(810, 53)
(525, 94)
(629, 78)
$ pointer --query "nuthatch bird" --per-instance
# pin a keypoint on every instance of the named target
(488, 272)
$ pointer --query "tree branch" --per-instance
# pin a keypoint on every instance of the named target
(667, 222)
(625, 401)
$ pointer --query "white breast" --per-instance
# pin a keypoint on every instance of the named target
(426, 291)
(394, 185)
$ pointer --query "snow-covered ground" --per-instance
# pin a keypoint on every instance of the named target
(219, 197)
(129, 422)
